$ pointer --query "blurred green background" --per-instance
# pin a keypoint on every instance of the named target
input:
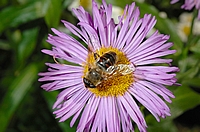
(24, 26)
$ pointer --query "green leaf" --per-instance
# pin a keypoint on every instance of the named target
(66, 3)
(27, 45)
(15, 94)
(190, 73)
(195, 48)
(3, 2)
(186, 99)
(162, 126)
(53, 13)
(189, 68)
(120, 3)
(163, 24)
(4, 45)
(192, 82)
(13, 16)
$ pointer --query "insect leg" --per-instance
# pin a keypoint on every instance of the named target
(96, 56)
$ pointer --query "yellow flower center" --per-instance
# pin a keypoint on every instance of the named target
(115, 85)
(86, 4)
(186, 30)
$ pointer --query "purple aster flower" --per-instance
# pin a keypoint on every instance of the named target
(114, 75)
(189, 4)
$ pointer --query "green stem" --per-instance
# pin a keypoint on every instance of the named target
(190, 37)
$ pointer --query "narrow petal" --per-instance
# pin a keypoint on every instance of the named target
(174, 1)
(133, 111)
(76, 31)
(97, 18)
(89, 112)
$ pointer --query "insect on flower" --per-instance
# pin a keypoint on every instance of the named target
(115, 75)
(104, 68)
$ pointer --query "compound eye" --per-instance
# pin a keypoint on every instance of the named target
(88, 84)
(92, 86)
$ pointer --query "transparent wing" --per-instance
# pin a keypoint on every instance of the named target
(125, 69)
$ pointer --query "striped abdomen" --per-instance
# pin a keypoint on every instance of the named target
(106, 60)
